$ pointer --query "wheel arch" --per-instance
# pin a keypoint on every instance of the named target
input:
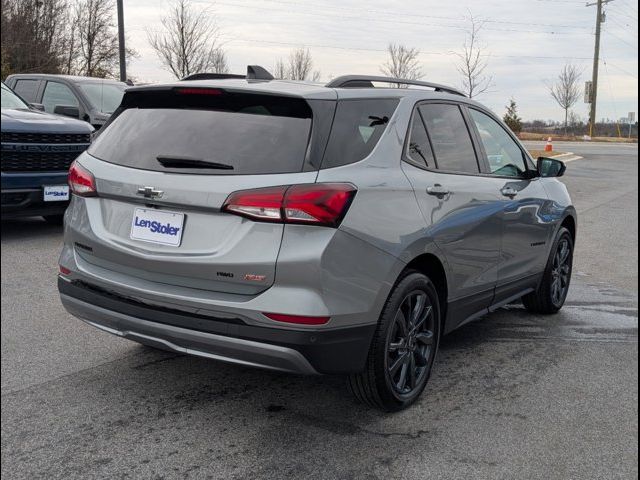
(570, 223)
(430, 265)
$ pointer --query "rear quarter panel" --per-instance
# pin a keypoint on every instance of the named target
(384, 218)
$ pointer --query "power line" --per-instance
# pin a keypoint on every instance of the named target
(412, 15)
(259, 41)
(628, 5)
(562, 1)
(626, 14)
(617, 67)
(402, 22)
(623, 26)
(384, 50)
(621, 39)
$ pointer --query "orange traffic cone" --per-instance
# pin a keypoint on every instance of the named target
(549, 146)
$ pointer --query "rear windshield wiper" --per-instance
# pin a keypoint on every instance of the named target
(168, 161)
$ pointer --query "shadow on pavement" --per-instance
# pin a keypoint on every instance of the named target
(31, 227)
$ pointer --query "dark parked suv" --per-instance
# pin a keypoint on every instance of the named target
(339, 229)
(37, 150)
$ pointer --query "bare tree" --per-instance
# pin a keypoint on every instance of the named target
(32, 35)
(280, 70)
(566, 90)
(402, 63)
(472, 62)
(190, 42)
(299, 66)
(71, 56)
(95, 36)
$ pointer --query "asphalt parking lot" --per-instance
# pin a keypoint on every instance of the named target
(512, 396)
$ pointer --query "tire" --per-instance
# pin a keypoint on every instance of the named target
(399, 347)
(54, 219)
(554, 287)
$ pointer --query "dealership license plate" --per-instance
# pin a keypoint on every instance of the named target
(56, 193)
(157, 226)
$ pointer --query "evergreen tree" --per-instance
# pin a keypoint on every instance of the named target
(511, 118)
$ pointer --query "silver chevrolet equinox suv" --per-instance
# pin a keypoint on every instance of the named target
(336, 229)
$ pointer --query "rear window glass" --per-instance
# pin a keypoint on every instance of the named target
(357, 127)
(230, 135)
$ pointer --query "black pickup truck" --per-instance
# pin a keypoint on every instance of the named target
(37, 149)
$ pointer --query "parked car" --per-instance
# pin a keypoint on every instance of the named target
(90, 99)
(338, 229)
(37, 150)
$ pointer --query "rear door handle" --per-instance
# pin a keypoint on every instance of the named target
(509, 192)
(437, 190)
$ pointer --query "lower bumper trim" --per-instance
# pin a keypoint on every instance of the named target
(192, 342)
(320, 350)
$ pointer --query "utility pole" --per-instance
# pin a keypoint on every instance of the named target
(121, 47)
(596, 60)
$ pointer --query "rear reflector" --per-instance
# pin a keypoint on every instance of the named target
(313, 204)
(81, 181)
(297, 319)
(64, 270)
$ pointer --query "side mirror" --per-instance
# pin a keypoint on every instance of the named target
(37, 106)
(67, 111)
(550, 167)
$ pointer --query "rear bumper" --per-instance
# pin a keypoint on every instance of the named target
(230, 339)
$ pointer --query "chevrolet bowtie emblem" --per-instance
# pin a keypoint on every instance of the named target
(150, 192)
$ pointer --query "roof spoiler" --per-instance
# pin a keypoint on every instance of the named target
(366, 81)
(210, 76)
(254, 72)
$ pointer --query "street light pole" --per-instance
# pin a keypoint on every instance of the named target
(121, 46)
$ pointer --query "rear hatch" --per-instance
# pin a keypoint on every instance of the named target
(164, 165)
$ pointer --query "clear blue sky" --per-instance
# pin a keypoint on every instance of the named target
(528, 42)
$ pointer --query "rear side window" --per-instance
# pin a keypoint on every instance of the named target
(357, 127)
(27, 89)
(225, 134)
(452, 145)
(419, 149)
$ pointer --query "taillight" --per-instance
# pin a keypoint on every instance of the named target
(81, 181)
(316, 203)
(297, 319)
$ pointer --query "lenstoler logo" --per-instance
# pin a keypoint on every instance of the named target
(157, 227)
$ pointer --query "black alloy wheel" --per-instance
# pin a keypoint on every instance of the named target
(410, 343)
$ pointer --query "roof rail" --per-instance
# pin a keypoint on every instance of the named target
(366, 81)
(211, 76)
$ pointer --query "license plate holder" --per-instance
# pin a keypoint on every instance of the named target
(55, 193)
(157, 226)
